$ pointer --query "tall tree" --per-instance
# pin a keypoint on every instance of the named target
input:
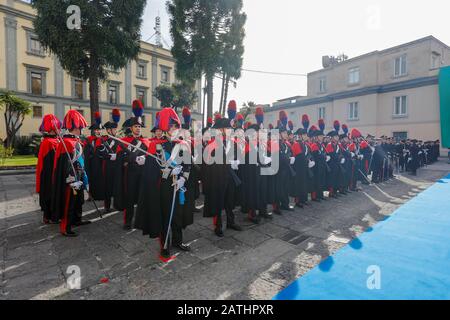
(14, 111)
(233, 49)
(176, 96)
(247, 108)
(165, 94)
(108, 38)
(185, 95)
(197, 27)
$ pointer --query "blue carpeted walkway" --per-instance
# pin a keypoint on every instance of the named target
(411, 251)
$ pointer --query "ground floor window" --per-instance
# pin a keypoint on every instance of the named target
(400, 135)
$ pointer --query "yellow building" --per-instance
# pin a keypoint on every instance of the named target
(36, 76)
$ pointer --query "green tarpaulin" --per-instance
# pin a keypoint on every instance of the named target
(444, 92)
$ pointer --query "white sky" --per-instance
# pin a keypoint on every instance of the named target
(292, 36)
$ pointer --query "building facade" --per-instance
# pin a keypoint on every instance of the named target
(36, 76)
(393, 92)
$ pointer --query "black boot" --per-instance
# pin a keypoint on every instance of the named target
(234, 226)
(218, 231)
(165, 256)
(265, 215)
(69, 233)
(183, 247)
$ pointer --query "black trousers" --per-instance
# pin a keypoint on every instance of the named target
(46, 208)
(133, 185)
(73, 209)
(176, 230)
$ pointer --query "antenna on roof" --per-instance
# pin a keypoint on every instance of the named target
(158, 31)
(328, 61)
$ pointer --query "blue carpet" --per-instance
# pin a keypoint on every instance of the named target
(410, 252)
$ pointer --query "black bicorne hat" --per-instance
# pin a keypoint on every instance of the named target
(332, 133)
(222, 123)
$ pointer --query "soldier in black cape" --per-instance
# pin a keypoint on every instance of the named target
(218, 178)
(69, 177)
(94, 161)
(164, 199)
(285, 172)
(129, 166)
(44, 168)
(108, 152)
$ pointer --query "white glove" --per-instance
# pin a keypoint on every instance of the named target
(177, 170)
(311, 164)
(328, 158)
(353, 154)
(140, 160)
(180, 183)
(70, 179)
(360, 157)
(292, 159)
(235, 164)
(409, 159)
(420, 152)
(266, 160)
(112, 156)
(342, 161)
(76, 185)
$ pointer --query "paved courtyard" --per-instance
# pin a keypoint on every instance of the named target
(114, 264)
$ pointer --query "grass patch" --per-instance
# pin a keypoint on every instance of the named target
(19, 161)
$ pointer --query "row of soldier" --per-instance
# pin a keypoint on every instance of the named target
(156, 189)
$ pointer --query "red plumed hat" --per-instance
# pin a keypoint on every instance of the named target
(355, 133)
(74, 120)
(116, 115)
(291, 125)
(209, 122)
(345, 129)
(283, 118)
(166, 118)
(232, 110)
(321, 124)
(217, 116)
(98, 121)
(50, 123)
(305, 121)
(138, 108)
(337, 125)
(186, 113)
(259, 115)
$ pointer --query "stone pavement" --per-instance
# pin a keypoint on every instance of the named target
(114, 264)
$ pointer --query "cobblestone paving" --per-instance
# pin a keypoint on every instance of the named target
(114, 264)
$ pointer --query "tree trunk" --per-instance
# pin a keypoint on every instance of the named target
(10, 128)
(221, 105)
(204, 103)
(225, 97)
(210, 90)
(93, 86)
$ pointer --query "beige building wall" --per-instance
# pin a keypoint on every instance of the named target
(376, 91)
(31, 124)
(2, 51)
(58, 96)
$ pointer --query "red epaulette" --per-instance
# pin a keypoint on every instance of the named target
(329, 148)
(314, 147)
(296, 149)
(364, 145)
(352, 147)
